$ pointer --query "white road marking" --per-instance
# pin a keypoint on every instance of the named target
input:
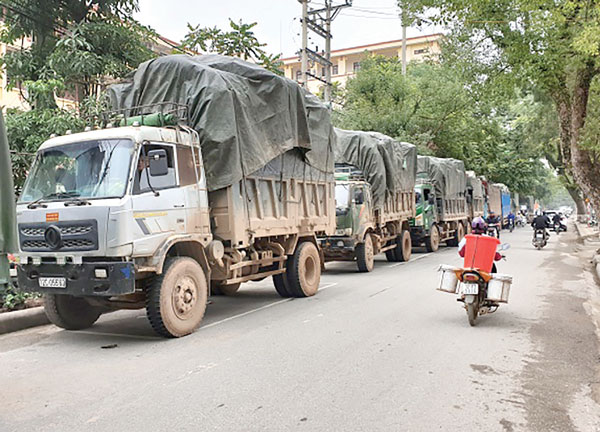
(412, 260)
(267, 306)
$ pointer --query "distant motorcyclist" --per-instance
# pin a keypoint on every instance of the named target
(493, 222)
(511, 220)
(557, 222)
(478, 227)
(540, 223)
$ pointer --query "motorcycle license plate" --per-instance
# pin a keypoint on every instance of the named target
(53, 282)
(469, 289)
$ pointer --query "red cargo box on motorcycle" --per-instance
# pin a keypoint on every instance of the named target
(480, 252)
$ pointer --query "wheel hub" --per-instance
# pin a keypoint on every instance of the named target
(185, 296)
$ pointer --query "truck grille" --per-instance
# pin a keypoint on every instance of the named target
(79, 236)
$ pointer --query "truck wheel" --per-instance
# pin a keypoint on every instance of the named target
(281, 285)
(404, 247)
(458, 235)
(364, 255)
(217, 289)
(432, 242)
(304, 271)
(176, 300)
(70, 313)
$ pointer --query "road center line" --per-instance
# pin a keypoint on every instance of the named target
(267, 306)
(412, 260)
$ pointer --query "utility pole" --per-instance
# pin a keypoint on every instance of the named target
(319, 22)
(403, 18)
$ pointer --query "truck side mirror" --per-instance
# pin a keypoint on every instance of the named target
(158, 163)
(431, 200)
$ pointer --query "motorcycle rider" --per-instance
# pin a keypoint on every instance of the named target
(511, 220)
(493, 219)
(478, 227)
(540, 223)
(557, 222)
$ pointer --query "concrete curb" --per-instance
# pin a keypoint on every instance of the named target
(596, 258)
(22, 319)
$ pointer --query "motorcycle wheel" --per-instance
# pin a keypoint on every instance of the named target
(472, 311)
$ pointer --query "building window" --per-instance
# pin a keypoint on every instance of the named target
(298, 75)
(421, 51)
(335, 70)
(356, 66)
(322, 72)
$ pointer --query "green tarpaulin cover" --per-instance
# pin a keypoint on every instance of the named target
(245, 115)
(8, 231)
(447, 175)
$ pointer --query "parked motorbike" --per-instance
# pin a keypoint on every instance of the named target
(520, 222)
(540, 239)
(480, 290)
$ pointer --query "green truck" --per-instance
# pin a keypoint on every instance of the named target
(374, 194)
(442, 212)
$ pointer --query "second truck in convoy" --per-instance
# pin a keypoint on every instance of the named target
(374, 193)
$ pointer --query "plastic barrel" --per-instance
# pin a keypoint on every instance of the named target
(480, 252)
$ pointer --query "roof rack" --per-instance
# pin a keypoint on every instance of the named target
(164, 114)
(348, 172)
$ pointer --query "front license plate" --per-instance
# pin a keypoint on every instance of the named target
(53, 282)
(470, 289)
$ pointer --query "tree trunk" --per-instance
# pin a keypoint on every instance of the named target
(575, 194)
(584, 167)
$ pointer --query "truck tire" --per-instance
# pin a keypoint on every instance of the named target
(432, 241)
(217, 288)
(281, 285)
(176, 300)
(390, 255)
(365, 259)
(404, 246)
(304, 271)
(458, 235)
(70, 313)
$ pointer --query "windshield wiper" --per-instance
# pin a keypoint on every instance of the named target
(77, 202)
(38, 202)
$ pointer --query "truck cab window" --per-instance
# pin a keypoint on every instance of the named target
(143, 180)
(185, 164)
(359, 196)
(426, 194)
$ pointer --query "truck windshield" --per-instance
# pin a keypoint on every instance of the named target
(342, 196)
(89, 169)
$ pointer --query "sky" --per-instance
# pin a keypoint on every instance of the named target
(367, 21)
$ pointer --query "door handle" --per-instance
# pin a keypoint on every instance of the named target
(179, 205)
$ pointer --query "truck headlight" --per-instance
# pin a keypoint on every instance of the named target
(12, 272)
(100, 273)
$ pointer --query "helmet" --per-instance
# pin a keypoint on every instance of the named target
(479, 226)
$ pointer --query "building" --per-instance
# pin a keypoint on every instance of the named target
(346, 61)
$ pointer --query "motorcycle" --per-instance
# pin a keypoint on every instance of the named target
(540, 239)
(480, 291)
(494, 230)
(511, 225)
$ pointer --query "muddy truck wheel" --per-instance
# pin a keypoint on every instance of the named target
(432, 242)
(176, 300)
(365, 258)
(458, 235)
(281, 284)
(403, 249)
(304, 271)
(217, 288)
(70, 313)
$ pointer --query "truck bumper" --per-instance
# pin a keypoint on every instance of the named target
(338, 248)
(81, 279)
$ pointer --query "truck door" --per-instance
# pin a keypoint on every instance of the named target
(192, 182)
(158, 202)
(361, 208)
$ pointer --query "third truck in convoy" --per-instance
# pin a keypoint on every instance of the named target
(442, 210)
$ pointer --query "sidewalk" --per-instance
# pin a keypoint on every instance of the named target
(585, 231)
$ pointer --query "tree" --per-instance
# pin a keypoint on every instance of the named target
(440, 108)
(75, 45)
(552, 46)
(240, 41)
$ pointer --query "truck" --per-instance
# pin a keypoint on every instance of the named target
(175, 202)
(494, 199)
(475, 196)
(374, 194)
(506, 203)
(442, 214)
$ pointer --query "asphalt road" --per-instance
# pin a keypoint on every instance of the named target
(371, 352)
